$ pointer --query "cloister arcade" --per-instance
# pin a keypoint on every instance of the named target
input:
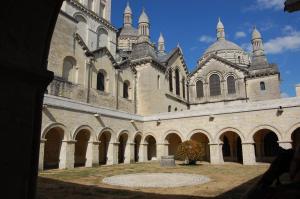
(85, 148)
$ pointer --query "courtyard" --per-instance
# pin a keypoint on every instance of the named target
(226, 181)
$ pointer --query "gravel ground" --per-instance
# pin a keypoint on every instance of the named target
(156, 180)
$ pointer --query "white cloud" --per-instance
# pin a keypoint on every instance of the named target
(206, 39)
(290, 41)
(270, 4)
(240, 34)
(284, 95)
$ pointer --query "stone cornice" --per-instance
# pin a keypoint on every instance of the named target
(59, 102)
(92, 14)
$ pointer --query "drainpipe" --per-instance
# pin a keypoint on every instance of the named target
(245, 80)
(117, 88)
(135, 94)
(188, 95)
(90, 63)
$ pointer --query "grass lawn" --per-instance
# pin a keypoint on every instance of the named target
(228, 181)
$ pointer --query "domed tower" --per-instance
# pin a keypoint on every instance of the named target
(127, 16)
(161, 44)
(144, 28)
(220, 30)
(257, 43)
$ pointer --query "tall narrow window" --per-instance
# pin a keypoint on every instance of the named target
(68, 69)
(169, 108)
(199, 89)
(231, 85)
(102, 38)
(262, 86)
(158, 82)
(177, 81)
(126, 89)
(170, 80)
(215, 85)
(101, 81)
(183, 88)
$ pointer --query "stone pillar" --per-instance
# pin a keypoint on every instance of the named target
(216, 154)
(41, 156)
(285, 144)
(143, 152)
(92, 154)
(67, 154)
(129, 153)
(248, 154)
(162, 150)
(112, 153)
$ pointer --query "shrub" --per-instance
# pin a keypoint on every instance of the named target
(189, 151)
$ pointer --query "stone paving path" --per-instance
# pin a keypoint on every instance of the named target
(156, 180)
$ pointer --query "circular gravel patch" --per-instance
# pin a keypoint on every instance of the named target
(156, 180)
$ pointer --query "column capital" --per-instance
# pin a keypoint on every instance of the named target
(70, 141)
(285, 142)
(43, 140)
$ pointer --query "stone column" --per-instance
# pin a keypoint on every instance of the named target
(67, 154)
(143, 152)
(41, 156)
(285, 144)
(216, 154)
(92, 154)
(248, 154)
(112, 153)
(162, 150)
(129, 153)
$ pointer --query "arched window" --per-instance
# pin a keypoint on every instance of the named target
(68, 69)
(170, 80)
(101, 81)
(262, 86)
(177, 81)
(215, 85)
(231, 85)
(169, 108)
(199, 89)
(126, 85)
(183, 88)
(176, 109)
(239, 59)
(102, 38)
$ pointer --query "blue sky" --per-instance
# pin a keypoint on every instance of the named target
(192, 23)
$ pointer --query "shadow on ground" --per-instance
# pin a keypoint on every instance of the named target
(55, 189)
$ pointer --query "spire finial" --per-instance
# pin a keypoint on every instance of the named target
(220, 30)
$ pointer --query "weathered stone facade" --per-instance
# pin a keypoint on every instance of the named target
(118, 98)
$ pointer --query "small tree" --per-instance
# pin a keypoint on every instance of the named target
(189, 151)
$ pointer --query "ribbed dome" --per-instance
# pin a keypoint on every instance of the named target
(144, 18)
(222, 45)
(256, 34)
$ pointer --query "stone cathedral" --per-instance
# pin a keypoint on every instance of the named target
(117, 97)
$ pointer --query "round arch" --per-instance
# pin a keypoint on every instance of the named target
(289, 135)
(170, 132)
(55, 125)
(189, 136)
(262, 127)
(93, 136)
(214, 73)
(229, 129)
(120, 133)
(79, 16)
(146, 136)
(107, 129)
